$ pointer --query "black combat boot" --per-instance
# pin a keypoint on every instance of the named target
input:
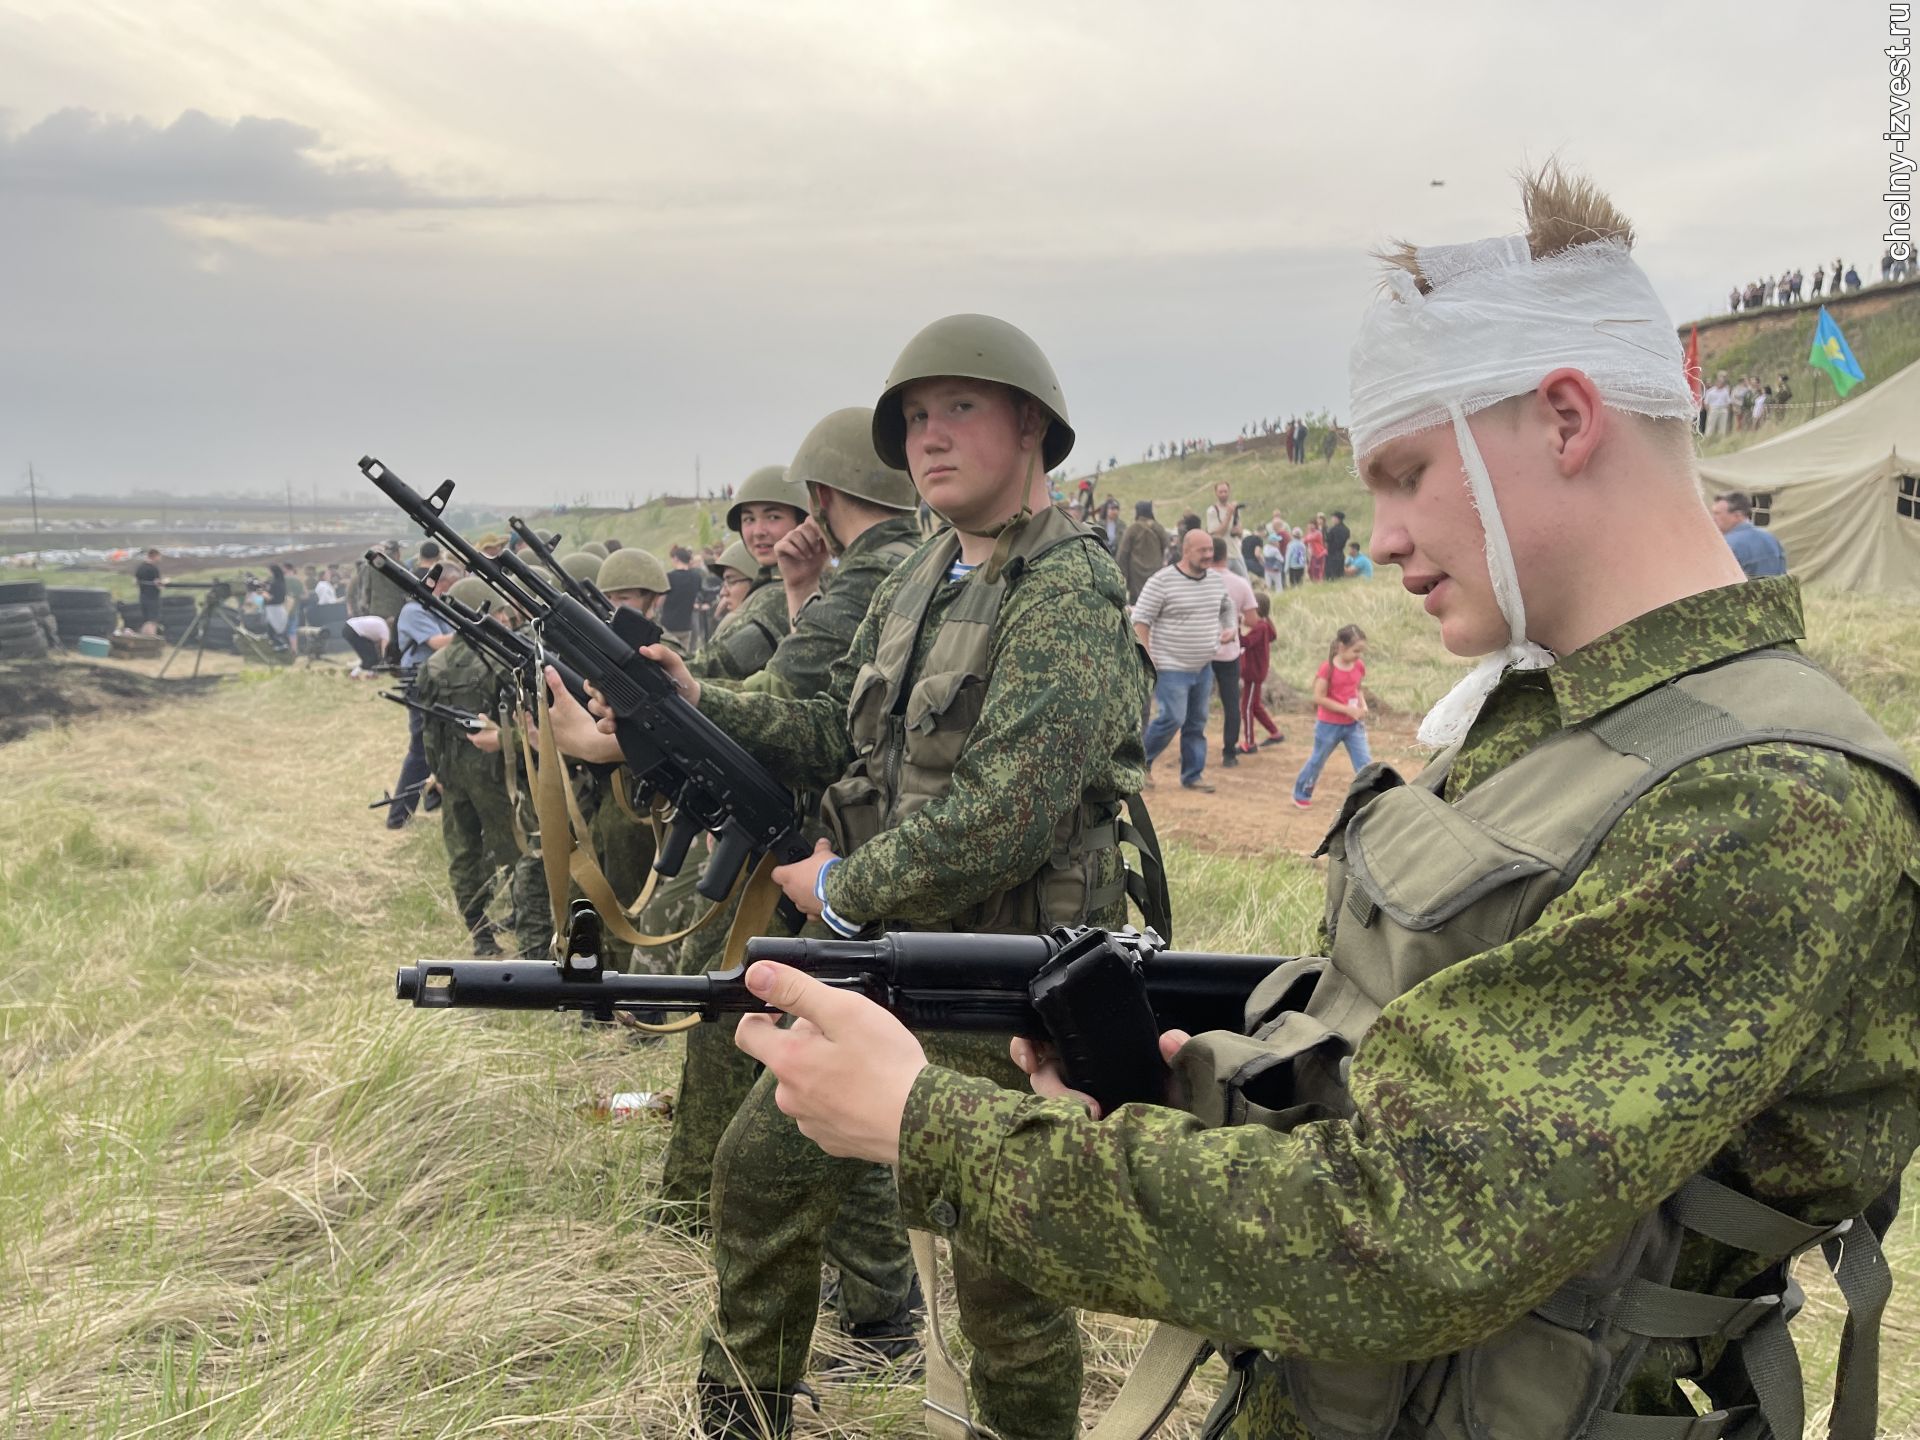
(891, 1345)
(485, 946)
(729, 1413)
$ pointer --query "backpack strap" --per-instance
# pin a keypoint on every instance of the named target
(1759, 1368)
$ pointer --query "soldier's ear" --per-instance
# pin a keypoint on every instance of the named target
(1031, 418)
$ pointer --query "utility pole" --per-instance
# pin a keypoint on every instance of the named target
(33, 498)
(696, 477)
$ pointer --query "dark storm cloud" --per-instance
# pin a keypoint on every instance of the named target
(254, 164)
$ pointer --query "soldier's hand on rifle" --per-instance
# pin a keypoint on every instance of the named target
(668, 659)
(574, 730)
(487, 740)
(801, 879)
(1042, 1067)
(845, 1066)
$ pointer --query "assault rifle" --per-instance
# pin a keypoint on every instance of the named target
(1100, 997)
(466, 720)
(585, 591)
(485, 630)
(713, 783)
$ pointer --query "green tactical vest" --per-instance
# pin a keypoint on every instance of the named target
(745, 641)
(459, 675)
(1416, 884)
(908, 731)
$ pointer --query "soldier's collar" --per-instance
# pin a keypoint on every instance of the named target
(1691, 633)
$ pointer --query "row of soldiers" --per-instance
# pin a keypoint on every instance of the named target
(1614, 1013)
(816, 541)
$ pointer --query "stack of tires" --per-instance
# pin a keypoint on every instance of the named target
(26, 621)
(177, 609)
(79, 611)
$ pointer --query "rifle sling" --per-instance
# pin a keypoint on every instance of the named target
(513, 753)
(566, 849)
(1153, 1385)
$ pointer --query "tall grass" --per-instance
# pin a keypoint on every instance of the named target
(243, 1192)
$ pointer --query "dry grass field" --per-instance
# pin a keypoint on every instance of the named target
(243, 1192)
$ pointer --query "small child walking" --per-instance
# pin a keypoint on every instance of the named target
(1256, 650)
(1340, 712)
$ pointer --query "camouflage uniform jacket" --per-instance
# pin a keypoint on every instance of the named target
(748, 636)
(1059, 720)
(825, 627)
(460, 676)
(1727, 987)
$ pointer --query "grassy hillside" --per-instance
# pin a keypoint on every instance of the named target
(1883, 330)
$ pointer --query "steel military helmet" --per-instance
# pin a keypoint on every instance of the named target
(594, 548)
(737, 557)
(630, 569)
(768, 485)
(838, 455)
(474, 593)
(972, 347)
(581, 566)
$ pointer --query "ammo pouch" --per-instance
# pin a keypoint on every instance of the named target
(1417, 884)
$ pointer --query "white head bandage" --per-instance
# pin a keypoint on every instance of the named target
(1495, 323)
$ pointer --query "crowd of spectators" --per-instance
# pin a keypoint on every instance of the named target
(1789, 287)
(1743, 404)
(1202, 606)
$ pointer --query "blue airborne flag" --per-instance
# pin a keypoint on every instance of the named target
(1832, 354)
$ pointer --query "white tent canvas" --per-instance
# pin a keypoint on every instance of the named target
(1840, 492)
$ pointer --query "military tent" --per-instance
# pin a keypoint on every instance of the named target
(1841, 492)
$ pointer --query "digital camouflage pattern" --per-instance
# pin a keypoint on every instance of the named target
(824, 631)
(1727, 987)
(715, 1076)
(1058, 720)
(476, 812)
(776, 1193)
(532, 911)
(745, 640)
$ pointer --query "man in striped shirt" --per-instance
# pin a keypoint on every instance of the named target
(1183, 616)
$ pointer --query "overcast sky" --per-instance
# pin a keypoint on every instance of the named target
(559, 248)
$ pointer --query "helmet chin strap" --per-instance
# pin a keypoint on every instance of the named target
(1004, 534)
(1448, 722)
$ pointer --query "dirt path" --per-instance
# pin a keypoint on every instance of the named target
(1252, 812)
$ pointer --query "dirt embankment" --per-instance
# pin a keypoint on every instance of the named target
(36, 695)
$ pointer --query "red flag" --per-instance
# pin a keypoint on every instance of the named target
(1693, 364)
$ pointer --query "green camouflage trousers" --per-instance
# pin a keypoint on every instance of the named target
(775, 1194)
(714, 1077)
(1254, 1405)
(477, 825)
(532, 914)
